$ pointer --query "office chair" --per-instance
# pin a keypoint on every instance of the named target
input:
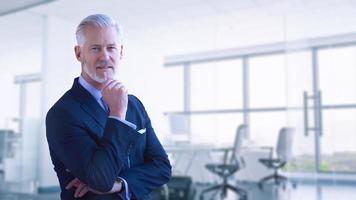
(283, 152)
(230, 165)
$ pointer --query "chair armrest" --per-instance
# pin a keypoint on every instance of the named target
(226, 152)
(270, 149)
(223, 149)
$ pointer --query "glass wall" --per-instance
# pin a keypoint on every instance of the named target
(299, 79)
(312, 90)
(267, 81)
(215, 86)
(337, 75)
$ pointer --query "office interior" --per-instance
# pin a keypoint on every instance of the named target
(271, 83)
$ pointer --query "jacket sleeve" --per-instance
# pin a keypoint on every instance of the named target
(156, 169)
(97, 164)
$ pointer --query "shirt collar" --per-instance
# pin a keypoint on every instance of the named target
(91, 89)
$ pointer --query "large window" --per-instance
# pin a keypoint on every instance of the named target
(267, 81)
(174, 86)
(277, 89)
(264, 127)
(215, 129)
(337, 69)
(337, 75)
(298, 76)
(216, 85)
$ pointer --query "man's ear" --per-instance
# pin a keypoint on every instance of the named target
(78, 52)
(121, 51)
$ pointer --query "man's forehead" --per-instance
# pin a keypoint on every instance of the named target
(98, 44)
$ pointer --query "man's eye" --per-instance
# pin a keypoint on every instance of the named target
(95, 48)
(111, 48)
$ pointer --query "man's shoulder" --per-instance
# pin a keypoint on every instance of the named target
(65, 104)
(133, 99)
(135, 102)
(137, 106)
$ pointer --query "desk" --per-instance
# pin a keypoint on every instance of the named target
(190, 160)
(254, 170)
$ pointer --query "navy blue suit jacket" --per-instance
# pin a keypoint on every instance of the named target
(86, 144)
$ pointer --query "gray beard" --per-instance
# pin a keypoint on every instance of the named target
(93, 75)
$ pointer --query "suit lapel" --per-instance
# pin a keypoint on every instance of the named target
(89, 104)
(98, 114)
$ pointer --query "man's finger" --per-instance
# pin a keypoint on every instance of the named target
(79, 188)
(107, 84)
(72, 183)
(83, 191)
(118, 85)
(110, 84)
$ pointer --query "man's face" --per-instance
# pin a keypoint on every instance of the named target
(99, 54)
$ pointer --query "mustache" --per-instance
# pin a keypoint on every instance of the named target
(103, 63)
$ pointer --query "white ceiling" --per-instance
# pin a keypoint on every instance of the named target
(13, 6)
(147, 14)
(140, 13)
(327, 16)
(22, 32)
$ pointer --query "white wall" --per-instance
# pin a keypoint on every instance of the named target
(59, 68)
(21, 41)
(20, 54)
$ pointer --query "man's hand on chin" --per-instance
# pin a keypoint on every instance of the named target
(115, 95)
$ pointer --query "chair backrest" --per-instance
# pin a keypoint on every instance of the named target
(284, 143)
(239, 139)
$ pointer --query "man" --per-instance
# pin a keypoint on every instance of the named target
(100, 138)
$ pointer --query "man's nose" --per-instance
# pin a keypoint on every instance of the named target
(104, 55)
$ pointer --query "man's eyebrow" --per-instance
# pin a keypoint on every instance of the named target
(95, 45)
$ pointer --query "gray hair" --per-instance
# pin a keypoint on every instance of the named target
(97, 20)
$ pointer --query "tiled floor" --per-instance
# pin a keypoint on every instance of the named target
(301, 192)
(12, 196)
(269, 192)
